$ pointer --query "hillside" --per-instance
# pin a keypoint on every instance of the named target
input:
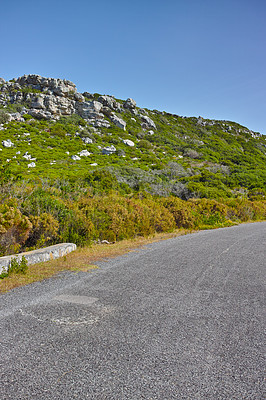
(65, 145)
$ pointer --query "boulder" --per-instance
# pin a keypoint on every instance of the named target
(32, 165)
(88, 95)
(129, 142)
(130, 104)
(118, 121)
(109, 101)
(38, 102)
(16, 117)
(79, 97)
(86, 140)
(109, 150)
(84, 153)
(89, 109)
(7, 143)
(27, 156)
(40, 114)
(100, 123)
(75, 158)
(148, 121)
(2, 81)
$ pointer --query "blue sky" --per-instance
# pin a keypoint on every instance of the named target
(188, 57)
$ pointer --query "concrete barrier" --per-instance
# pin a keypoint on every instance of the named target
(35, 256)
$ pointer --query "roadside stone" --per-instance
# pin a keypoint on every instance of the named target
(40, 255)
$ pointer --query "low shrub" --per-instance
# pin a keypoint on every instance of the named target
(16, 267)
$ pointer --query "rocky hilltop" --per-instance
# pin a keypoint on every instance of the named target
(49, 98)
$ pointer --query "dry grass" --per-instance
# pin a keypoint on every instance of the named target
(80, 260)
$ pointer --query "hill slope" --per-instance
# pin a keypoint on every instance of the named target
(81, 167)
(164, 153)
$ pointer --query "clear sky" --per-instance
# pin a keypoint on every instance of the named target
(188, 57)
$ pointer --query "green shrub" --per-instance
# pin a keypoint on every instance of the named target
(181, 211)
(14, 229)
(15, 267)
(18, 267)
(4, 117)
(44, 230)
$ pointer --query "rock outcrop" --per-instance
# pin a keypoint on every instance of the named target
(49, 98)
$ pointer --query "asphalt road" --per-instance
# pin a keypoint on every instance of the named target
(178, 319)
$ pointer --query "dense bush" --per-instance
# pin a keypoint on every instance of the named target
(44, 230)
(14, 229)
(45, 218)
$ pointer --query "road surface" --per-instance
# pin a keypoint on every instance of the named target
(178, 319)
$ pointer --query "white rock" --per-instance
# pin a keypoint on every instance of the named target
(84, 153)
(134, 159)
(75, 158)
(8, 159)
(86, 140)
(128, 142)
(109, 150)
(27, 156)
(67, 152)
(129, 103)
(18, 152)
(7, 143)
(150, 133)
(148, 121)
(26, 134)
(118, 122)
(93, 164)
(32, 165)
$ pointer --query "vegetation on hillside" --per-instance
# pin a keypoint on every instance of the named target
(188, 172)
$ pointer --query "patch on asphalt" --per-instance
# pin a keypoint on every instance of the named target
(85, 300)
(68, 314)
